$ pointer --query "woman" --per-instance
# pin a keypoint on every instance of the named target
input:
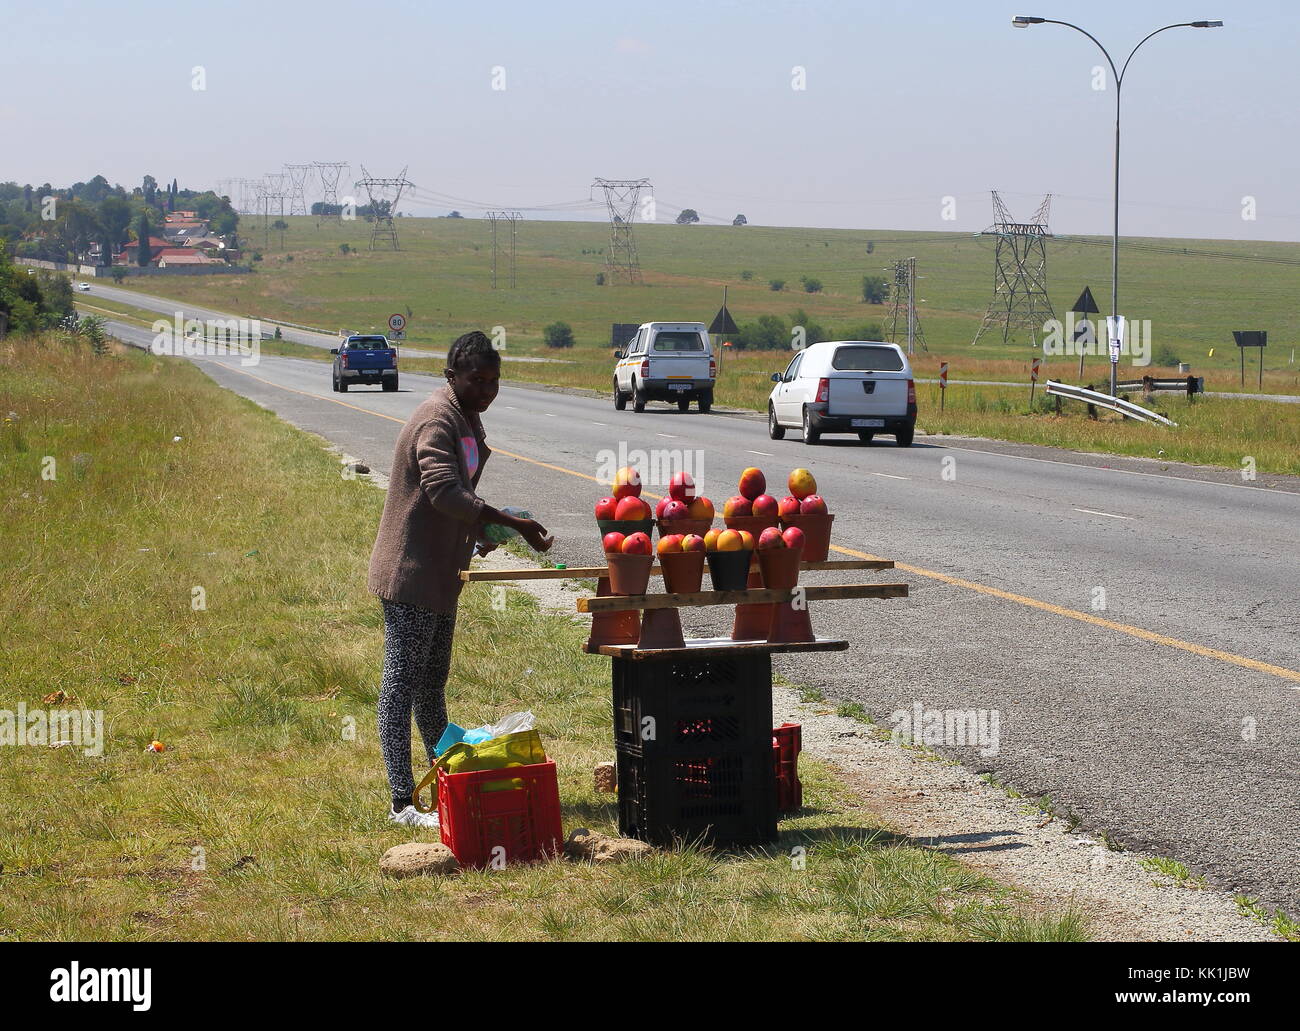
(432, 519)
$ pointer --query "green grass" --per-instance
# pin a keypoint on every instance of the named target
(442, 278)
(1172, 869)
(264, 818)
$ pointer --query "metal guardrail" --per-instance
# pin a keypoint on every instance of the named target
(1179, 384)
(1114, 404)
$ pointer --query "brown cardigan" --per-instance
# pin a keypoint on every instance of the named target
(430, 521)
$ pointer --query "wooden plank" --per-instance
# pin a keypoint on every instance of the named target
(752, 596)
(850, 563)
(589, 572)
(572, 573)
(715, 647)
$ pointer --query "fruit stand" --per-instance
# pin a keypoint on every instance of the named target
(693, 716)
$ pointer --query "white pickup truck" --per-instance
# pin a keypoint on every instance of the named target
(666, 361)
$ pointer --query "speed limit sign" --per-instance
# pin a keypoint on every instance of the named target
(397, 322)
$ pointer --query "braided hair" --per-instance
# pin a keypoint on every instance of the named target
(471, 349)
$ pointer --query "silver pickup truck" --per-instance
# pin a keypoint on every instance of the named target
(666, 361)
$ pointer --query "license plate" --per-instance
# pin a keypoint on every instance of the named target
(679, 386)
(867, 422)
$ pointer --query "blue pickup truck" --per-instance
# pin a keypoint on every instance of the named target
(364, 358)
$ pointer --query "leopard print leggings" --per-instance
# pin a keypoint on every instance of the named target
(417, 658)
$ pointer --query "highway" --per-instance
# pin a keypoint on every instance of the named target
(1133, 623)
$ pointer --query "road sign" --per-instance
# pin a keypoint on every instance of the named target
(1115, 331)
(943, 374)
(1033, 370)
(1251, 338)
(1085, 303)
(723, 323)
(397, 322)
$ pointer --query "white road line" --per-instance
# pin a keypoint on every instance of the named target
(765, 454)
(598, 424)
(891, 476)
(670, 436)
(1108, 515)
(549, 415)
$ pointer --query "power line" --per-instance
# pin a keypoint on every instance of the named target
(383, 208)
(621, 197)
(1019, 272)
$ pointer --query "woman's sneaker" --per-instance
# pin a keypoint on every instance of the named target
(412, 817)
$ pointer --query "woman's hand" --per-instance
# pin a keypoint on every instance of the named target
(535, 534)
(485, 546)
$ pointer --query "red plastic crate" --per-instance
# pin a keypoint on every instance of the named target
(787, 743)
(516, 810)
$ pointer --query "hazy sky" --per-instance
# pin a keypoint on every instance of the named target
(905, 104)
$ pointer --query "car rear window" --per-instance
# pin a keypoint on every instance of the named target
(368, 344)
(678, 340)
(867, 359)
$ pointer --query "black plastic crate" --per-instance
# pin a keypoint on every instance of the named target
(696, 706)
(725, 798)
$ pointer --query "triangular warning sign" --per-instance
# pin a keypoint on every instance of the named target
(723, 323)
(1085, 303)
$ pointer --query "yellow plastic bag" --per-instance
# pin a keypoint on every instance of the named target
(523, 748)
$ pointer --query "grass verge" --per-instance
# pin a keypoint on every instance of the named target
(218, 605)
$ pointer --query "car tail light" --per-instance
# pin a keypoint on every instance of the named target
(911, 392)
(823, 390)
(713, 368)
(645, 367)
(343, 359)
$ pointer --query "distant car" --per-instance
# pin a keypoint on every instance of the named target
(845, 386)
(666, 361)
(365, 358)
(84, 287)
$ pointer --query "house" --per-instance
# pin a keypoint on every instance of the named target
(130, 253)
(176, 257)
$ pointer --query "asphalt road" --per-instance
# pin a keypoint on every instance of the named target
(1166, 713)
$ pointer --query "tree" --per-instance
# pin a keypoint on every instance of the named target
(118, 273)
(776, 284)
(149, 187)
(114, 220)
(811, 285)
(558, 334)
(142, 235)
(687, 216)
(874, 289)
(740, 220)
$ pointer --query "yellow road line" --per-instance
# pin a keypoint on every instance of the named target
(1086, 617)
(954, 581)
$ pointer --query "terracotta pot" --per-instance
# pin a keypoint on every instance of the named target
(780, 566)
(661, 628)
(752, 621)
(754, 524)
(729, 570)
(816, 527)
(629, 574)
(683, 571)
(684, 526)
(612, 627)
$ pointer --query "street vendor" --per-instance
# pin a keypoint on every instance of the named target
(431, 524)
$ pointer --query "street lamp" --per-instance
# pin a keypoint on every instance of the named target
(1023, 22)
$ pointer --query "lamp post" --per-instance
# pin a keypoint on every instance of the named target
(1023, 22)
